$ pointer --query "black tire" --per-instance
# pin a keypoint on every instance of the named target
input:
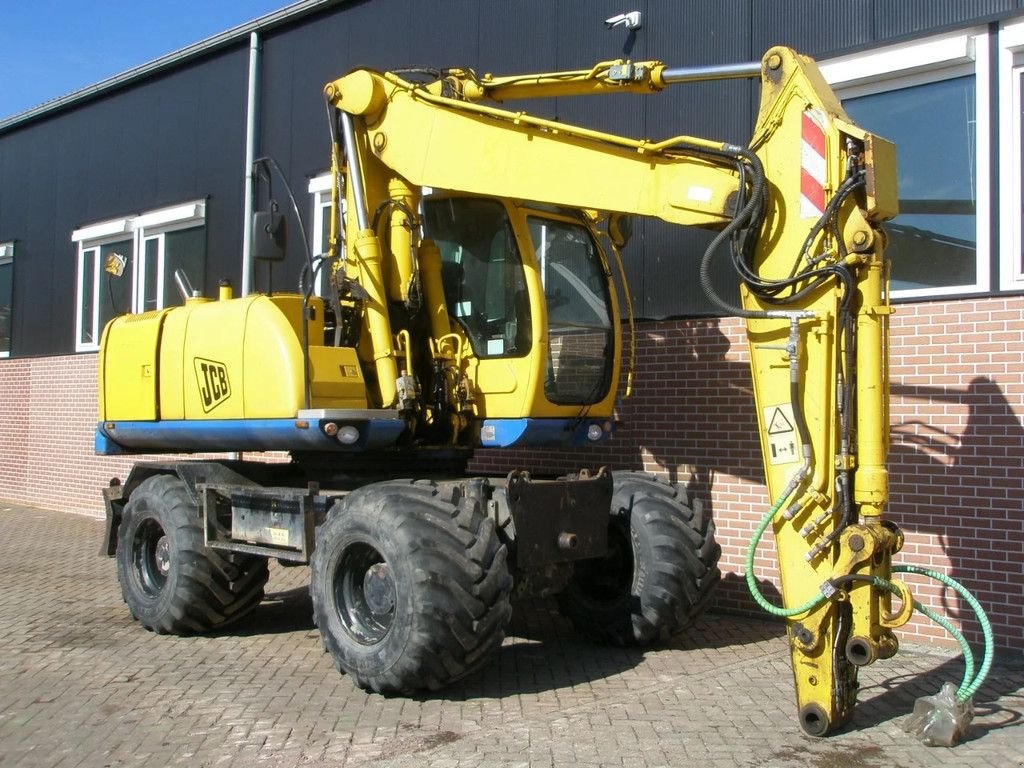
(171, 582)
(661, 567)
(410, 586)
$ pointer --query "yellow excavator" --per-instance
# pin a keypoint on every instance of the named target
(470, 304)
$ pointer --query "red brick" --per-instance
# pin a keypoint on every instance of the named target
(957, 465)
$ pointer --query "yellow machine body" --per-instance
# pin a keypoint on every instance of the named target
(234, 359)
(799, 366)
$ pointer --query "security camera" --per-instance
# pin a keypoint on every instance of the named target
(629, 20)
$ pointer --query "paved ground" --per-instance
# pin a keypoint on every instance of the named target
(81, 686)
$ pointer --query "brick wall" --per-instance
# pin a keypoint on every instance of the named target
(957, 449)
(957, 446)
(47, 422)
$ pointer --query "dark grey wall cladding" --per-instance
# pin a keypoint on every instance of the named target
(697, 34)
(180, 135)
(908, 17)
(811, 26)
(816, 27)
(176, 137)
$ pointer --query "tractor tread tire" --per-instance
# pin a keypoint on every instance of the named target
(452, 585)
(675, 566)
(205, 589)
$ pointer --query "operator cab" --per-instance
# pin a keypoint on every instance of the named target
(489, 250)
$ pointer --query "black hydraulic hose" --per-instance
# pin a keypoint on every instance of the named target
(844, 621)
(831, 212)
(391, 203)
(270, 163)
(745, 215)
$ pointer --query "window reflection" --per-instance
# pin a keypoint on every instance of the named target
(933, 242)
(6, 297)
(482, 274)
(579, 323)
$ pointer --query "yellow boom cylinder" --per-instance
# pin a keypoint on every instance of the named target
(367, 248)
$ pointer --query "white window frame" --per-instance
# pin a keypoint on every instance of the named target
(139, 281)
(1011, 71)
(320, 190)
(138, 229)
(155, 226)
(92, 238)
(7, 257)
(927, 61)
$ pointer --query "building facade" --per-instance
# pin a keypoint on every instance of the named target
(149, 168)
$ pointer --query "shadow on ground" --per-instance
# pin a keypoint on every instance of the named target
(894, 697)
(542, 651)
(284, 611)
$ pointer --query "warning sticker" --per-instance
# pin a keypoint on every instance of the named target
(783, 441)
(278, 536)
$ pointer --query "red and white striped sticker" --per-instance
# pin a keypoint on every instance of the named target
(812, 166)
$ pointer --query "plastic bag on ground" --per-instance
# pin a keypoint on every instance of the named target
(940, 720)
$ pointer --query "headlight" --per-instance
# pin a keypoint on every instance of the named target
(348, 435)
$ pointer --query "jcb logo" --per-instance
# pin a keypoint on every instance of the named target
(214, 388)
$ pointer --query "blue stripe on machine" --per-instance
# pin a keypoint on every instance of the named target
(504, 433)
(238, 435)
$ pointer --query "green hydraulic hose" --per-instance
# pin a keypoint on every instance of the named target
(966, 691)
(968, 687)
(755, 590)
(943, 622)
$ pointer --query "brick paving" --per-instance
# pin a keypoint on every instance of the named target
(82, 686)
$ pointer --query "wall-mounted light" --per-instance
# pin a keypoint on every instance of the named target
(629, 20)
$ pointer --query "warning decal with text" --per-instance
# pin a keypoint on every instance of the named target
(783, 440)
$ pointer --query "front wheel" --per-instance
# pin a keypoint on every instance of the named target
(661, 566)
(410, 586)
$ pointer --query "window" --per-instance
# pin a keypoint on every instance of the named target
(482, 273)
(128, 265)
(1011, 139)
(580, 336)
(939, 244)
(6, 296)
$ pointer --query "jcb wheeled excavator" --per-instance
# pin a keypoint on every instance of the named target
(471, 305)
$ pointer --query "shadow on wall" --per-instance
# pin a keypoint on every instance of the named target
(966, 489)
(956, 491)
(692, 418)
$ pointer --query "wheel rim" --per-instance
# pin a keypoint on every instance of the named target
(365, 593)
(607, 580)
(152, 557)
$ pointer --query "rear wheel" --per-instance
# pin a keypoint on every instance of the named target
(661, 566)
(410, 586)
(171, 582)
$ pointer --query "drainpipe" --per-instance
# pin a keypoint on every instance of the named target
(250, 159)
(250, 175)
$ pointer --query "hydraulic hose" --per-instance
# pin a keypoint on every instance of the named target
(971, 681)
(749, 210)
(969, 690)
(755, 590)
(942, 621)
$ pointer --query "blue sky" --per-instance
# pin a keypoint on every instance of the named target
(49, 48)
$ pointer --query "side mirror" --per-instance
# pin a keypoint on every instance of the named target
(620, 229)
(269, 235)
